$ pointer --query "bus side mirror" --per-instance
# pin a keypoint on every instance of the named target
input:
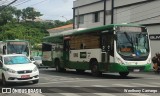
(4, 49)
(115, 37)
(1, 64)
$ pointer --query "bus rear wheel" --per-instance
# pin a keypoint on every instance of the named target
(94, 69)
(123, 74)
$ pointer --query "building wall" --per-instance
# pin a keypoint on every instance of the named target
(77, 3)
(87, 8)
(144, 13)
(125, 2)
(155, 47)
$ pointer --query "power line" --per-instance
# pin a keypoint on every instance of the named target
(38, 3)
(24, 1)
(8, 5)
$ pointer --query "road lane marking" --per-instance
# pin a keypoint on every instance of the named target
(144, 85)
(156, 83)
(99, 86)
(135, 94)
(91, 91)
(62, 92)
(122, 85)
(35, 94)
(66, 81)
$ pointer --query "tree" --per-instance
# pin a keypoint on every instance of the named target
(24, 14)
(30, 13)
(18, 14)
(6, 15)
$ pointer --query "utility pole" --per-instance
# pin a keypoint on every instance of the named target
(104, 15)
(112, 13)
(78, 18)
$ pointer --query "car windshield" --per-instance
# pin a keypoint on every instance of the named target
(10, 60)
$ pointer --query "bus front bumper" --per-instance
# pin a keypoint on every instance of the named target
(114, 67)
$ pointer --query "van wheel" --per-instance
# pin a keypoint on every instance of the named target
(123, 74)
(35, 81)
(4, 82)
(57, 64)
(94, 68)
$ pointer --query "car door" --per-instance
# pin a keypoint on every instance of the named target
(1, 65)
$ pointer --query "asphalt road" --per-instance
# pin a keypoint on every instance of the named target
(70, 83)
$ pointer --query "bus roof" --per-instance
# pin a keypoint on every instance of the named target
(59, 36)
(16, 40)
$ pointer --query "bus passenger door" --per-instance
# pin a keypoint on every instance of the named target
(66, 49)
(107, 49)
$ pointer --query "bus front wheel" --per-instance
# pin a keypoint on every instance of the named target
(123, 74)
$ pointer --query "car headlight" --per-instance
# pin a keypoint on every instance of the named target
(10, 70)
(35, 69)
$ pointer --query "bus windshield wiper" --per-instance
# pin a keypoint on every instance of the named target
(129, 39)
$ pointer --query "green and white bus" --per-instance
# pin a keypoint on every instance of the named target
(119, 48)
(15, 47)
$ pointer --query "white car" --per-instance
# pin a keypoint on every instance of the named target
(17, 68)
(38, 60)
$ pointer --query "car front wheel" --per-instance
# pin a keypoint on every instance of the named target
(4, 82)
(35, 81)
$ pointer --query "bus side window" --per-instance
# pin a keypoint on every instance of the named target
(82, 46)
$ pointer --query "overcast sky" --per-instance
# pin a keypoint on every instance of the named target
(51, 9)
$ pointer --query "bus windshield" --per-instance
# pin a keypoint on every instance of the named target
(18, 48)
(133, 44)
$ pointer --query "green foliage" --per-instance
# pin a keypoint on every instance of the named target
(11, 27)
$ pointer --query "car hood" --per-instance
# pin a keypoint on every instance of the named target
(18, 67)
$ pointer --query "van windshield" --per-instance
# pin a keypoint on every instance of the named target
(10, 60)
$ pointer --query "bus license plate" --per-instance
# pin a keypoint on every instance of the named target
(25, 76)
(136, 70)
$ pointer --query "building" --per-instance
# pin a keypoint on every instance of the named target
(91, 13)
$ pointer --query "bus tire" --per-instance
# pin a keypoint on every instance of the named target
(80, 71)
(123, 74)
(35, 81)
(94, 68)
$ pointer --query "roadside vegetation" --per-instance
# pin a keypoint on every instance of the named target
(21, 24)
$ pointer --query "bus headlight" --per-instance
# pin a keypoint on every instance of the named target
(149, 60)
(119, 61)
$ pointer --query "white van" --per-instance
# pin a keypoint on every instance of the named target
(17, 68)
